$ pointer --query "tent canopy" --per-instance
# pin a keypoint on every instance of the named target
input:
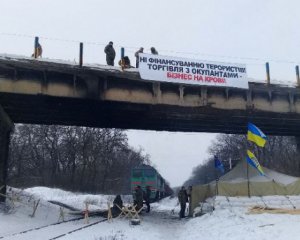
(235, 183)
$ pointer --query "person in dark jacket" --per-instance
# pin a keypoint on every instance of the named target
(110, 54)
(118, 201)
(139, 197)
(183, 199)
(141, 50)
(147, 196)
(117, 206)
(153, 51)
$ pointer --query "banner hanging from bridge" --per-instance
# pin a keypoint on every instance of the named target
(187, 71)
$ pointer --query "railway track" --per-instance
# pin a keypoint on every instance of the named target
(39, 228)
(78, 229)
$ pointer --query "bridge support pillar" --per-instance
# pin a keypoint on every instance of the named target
(6, 127)
(298, 149)
(92, 83)
(298, 144)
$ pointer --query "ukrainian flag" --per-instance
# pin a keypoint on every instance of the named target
(256, 135)
(252, 160)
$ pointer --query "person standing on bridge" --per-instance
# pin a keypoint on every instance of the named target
(137, 53)
(38, 51)
(110, 54)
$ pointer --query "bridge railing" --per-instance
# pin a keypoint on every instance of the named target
(90, 52)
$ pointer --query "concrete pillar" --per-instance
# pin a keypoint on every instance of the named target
(298, 150)
(4, 147)
(298, 143)
(6, 127)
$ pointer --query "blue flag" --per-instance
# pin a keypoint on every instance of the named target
(219, 165)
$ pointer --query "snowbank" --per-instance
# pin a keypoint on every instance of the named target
(229, 220)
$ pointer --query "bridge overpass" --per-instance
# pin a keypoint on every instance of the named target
(53, 92)
(56, 92)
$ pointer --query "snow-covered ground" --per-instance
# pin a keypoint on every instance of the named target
(230, 220)
(76, 200)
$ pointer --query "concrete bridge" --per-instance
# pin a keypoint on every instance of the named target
(56, 92)
(49, 92)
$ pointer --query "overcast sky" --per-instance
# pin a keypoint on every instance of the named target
(245, 31)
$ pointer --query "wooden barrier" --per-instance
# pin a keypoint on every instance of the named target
(260, 210)
(61, 214)
(35, 206)
(86, 213)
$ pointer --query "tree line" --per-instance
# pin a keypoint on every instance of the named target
(73, 158)
(279, 154)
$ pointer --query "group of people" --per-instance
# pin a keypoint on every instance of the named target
(184, 196)
(125, 61)
(110, 55)
(140, 196)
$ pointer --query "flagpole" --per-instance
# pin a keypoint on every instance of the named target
(216, 177)
(254, 134)
(248, 181)
(217, 183)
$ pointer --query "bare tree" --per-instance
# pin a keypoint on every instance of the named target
(75, 158)
(280, 154)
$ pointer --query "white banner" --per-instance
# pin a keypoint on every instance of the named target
(187, 71)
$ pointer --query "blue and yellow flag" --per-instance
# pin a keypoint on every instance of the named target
(252, 160)
(256, 135)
